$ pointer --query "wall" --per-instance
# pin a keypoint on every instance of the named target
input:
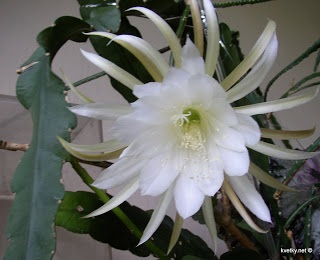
(20, 21)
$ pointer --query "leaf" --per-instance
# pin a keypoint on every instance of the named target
(230, 52)
(65, 28)
(36, 181)
(112, 22)
(242, 253)
(107, 228)
(164, 8)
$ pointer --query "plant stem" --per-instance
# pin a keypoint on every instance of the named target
(13, 146)
(87, 79)
(117, 211)
(237, 3)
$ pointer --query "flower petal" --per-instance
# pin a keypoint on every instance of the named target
(176, 77)
(250, 197)
(188, 197)
(281, 152)
(122, 196)
(235, 163)
(252, 57)
(101, 111)
(213, 36)
(154, 182)
(239, 207)
(148, 89)
(112, 70)
(257, 74)
(221, 110)
(167, 32)
(157, 215)
(249, 129)
(277, 105)
(228, 138)
(119, 173)
(211, 185)
(191, 59)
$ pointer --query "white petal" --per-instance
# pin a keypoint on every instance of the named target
(119, 173)
(157, 215)
(257, 74)
(213, 34)
(202, 89)
(188, 197)
(221, 110)
(252, 57)
(167, 32)
(122, 196)
(101, 111)
(281, 152)
(157, 175)
(210, 186)
(235, 163)
(112, 70)
(249, 196)
(277, 105)
(249, 129)
(149, 89)
(228, 138)
(191, 59)
(176, 77)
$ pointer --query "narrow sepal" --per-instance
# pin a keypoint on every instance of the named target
(112, 70)
(175, 232)
(286, 134)
(123, 195)
(90, 156)
(281, 152)
(101, 111)
(239, 207)
(167, 32)
(265, 178)
(157, 215)
(208, 215)
(277, 105)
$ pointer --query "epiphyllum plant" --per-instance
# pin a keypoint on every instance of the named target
(182, 139)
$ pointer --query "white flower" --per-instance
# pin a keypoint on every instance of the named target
(183, 139)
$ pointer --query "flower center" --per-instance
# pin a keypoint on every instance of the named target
(188, 126)
(189, 115)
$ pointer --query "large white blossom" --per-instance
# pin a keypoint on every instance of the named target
(182, 139)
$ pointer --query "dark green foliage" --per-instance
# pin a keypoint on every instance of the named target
(107, 228)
